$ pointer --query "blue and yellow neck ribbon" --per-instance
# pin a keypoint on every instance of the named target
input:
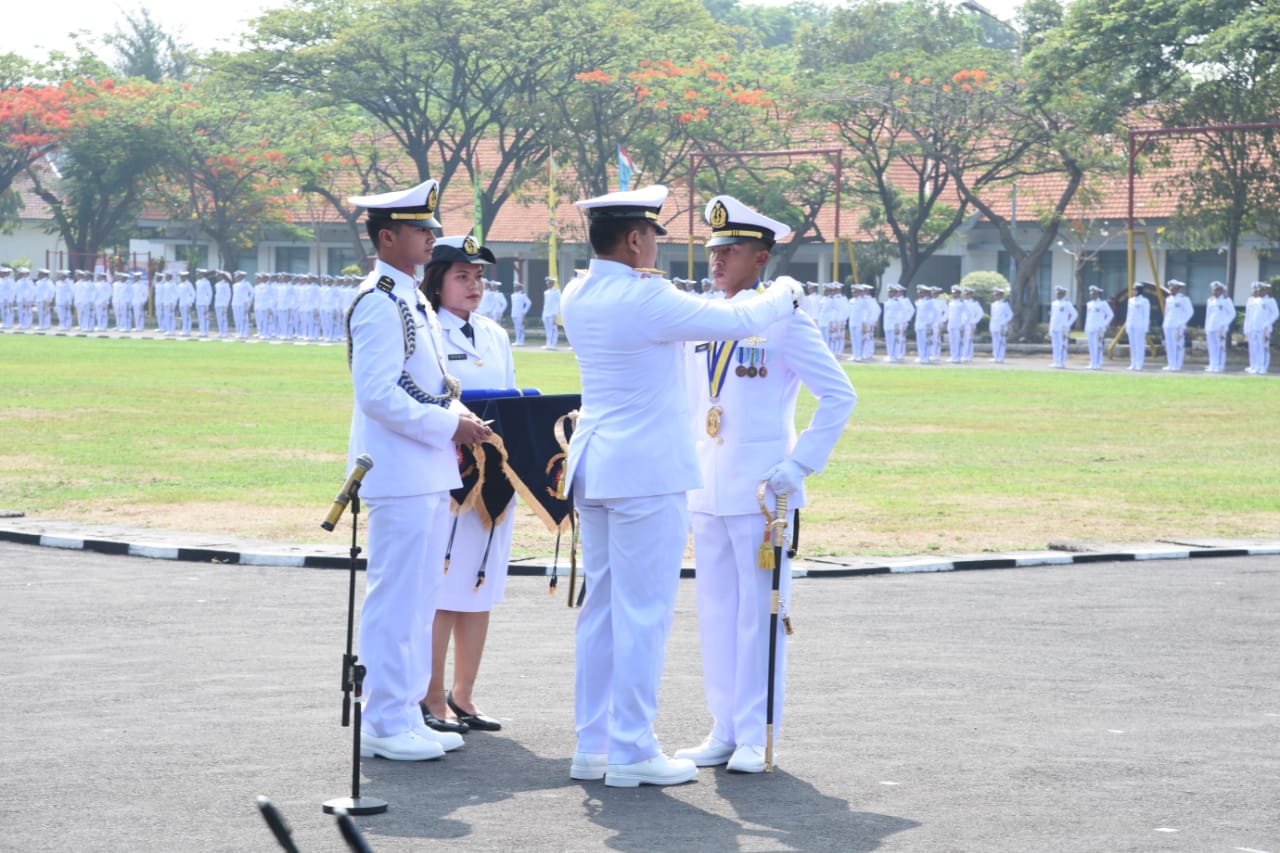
(719, 355)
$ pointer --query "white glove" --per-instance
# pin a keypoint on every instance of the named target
(786, 477)
(796, 288)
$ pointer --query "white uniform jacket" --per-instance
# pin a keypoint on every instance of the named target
(1097, 315)
(1177, 312)
(898, 311)
(1137, 318)
(1062, 315)
(1219, 313)
(485, 364)
(758, 429)
(410, 441)
(1001, 315)
(551, 302)
(627, 330)
(520, 303)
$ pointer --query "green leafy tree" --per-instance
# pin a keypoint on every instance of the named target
(223, 172)
(1193, 63)
(336, 153)
(465, 89)
(106, 158)
(144, 49)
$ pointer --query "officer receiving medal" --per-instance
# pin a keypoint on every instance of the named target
(751, 458)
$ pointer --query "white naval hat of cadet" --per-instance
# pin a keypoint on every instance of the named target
(1093, 288)
(644, 203)
(732, 222)
(1217, 285)
(1173, 282)
(416, 206)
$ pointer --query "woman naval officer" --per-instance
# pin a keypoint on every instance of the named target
(478, 353)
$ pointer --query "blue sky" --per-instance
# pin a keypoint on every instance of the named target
(31, 31)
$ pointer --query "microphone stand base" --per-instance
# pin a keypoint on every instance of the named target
(355, 805)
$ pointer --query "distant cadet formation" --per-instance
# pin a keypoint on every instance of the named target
(307, 307)
(206, 303)
(937, 317)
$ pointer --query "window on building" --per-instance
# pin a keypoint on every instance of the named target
(1268, 264)
(1197, 269)
(942, 270)
(296, 259)
(338, 259)
(1108, 270)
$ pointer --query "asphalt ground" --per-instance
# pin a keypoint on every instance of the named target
(1127, 706)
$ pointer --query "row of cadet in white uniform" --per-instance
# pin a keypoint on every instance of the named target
(933, 314)
(279, 305)
(855, 319)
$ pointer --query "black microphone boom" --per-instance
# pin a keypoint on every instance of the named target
(363, 463)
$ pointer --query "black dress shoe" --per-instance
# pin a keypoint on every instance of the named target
(434, 722)
(477, 722)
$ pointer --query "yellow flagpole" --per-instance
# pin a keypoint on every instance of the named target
(552, 242)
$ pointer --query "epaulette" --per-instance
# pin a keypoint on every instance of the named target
(385, 284)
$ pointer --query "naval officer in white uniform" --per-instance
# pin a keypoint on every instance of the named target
(1097, 319)
(407, 419)
(478, 353)
(755, 382)
(1137, 320)
(1178, 311)
(631, 462)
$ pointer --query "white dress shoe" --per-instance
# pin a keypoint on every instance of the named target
(406, 746)
(448, 741)
(747, 758)
(709, 753)
(588, 766)
(658, 770)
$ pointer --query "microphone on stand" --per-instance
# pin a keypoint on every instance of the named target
(363, 463)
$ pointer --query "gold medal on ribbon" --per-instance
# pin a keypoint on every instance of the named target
(719, 354)
(713, 420)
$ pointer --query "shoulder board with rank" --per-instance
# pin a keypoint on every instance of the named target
(385, 284)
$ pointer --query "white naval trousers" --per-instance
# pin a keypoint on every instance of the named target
(631, 552)
(1137, 349)
(999, 344)
(869, 344)
(955, 345)
(1175, 347)
(1060, 340)
(1216, 342)
(1258, 360)
(1097, 346)
(734, 597)
(552, 330)
(407, 538)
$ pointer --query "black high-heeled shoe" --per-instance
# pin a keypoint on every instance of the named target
(477, 722)
(433, 722)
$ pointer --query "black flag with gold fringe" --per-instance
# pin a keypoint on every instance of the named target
(531, 444)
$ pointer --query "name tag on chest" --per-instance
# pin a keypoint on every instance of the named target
(457, 356)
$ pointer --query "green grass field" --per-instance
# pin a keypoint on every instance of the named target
(251, 439)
